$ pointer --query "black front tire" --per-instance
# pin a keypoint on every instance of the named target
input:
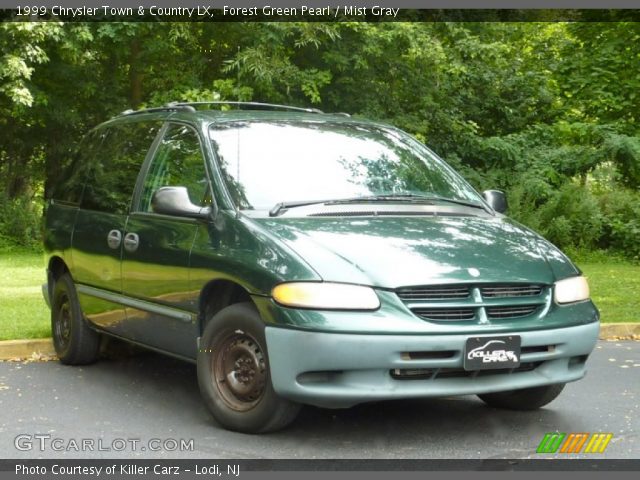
(233, 373)
(75, 343)
(525, 399)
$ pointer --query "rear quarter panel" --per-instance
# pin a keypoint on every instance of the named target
(58, 232)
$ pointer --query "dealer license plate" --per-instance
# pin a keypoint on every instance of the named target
(487, 353)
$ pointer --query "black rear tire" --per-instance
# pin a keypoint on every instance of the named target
(525, 399)
(233, 373)
(74, 341)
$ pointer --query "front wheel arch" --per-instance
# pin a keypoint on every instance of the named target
(234, 329)
(217, 295)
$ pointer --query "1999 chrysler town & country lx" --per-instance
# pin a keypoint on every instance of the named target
(305, 258)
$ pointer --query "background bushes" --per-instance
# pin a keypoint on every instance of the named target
(20, 222)
(547, 112)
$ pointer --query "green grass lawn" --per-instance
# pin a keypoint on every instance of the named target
(23, 313)
(615, 288)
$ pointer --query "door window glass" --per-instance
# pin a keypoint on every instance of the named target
(178, 162)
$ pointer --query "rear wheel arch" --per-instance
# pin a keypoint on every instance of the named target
(56, 267)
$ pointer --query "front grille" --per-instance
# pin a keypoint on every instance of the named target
(469, 302)
(460, 372)
(502, 291)
(434, 293)
(511, 312)
(440, 373)
(446, 314)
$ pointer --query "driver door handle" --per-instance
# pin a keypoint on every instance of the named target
(131, 242)
(114, 238)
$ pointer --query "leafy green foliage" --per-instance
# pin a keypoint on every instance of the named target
(621, 221)
(569, 217)
(546, 111)
(22, 47)
(20, 223)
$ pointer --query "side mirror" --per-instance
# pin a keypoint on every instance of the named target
(496, 199)
(175, 201)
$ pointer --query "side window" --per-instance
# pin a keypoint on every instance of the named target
(70, 180)
(178, 162)
(114, 169)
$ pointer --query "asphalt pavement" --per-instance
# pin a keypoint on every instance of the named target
(129, 407)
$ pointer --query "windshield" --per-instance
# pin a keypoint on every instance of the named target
(268, 162)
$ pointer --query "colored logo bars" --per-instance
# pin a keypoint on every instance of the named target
(573, 443)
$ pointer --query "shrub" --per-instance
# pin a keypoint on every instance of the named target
(20, 222)
(569, 216)
(621, 214)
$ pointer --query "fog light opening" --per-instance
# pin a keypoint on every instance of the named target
(329, 376)
(412, 373)
(430, 355)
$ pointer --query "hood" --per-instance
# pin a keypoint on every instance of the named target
(392, 252)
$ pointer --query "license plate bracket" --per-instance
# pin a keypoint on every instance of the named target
(492, 353)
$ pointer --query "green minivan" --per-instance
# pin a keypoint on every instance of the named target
(299, 257)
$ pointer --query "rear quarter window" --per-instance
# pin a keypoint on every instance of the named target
(69, 184)
(114, 167)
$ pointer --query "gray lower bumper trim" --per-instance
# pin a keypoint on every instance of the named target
(356, 368)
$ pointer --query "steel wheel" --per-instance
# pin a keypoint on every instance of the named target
(239, 371)
(234, 373)
(62, 325)
(74, 341)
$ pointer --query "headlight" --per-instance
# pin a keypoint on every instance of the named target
(326, 296)
(571, 290)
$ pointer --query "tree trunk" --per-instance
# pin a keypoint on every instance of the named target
(135, 76)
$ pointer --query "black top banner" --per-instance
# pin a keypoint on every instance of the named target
(305, 13)
(402, 4)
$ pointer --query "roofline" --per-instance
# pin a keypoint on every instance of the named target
(191, 107)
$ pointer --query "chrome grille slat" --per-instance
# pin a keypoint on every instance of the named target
(434, 293)
(446, 314)
(511, 312)
(468, 302)
(503, 291)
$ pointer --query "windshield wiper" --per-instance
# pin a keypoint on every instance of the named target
(407, 197)
(279, 208)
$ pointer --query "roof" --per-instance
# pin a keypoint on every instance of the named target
(239, 111)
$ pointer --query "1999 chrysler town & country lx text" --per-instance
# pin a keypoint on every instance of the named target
(305, 258)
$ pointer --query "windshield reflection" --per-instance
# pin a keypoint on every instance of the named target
(267, 162)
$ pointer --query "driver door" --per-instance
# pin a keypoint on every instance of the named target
(155, 257)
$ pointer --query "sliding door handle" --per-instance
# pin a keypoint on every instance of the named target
(131, 242)
(114, 239)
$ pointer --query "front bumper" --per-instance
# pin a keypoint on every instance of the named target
(336, 370)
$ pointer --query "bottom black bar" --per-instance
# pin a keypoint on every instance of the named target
(133, 466)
